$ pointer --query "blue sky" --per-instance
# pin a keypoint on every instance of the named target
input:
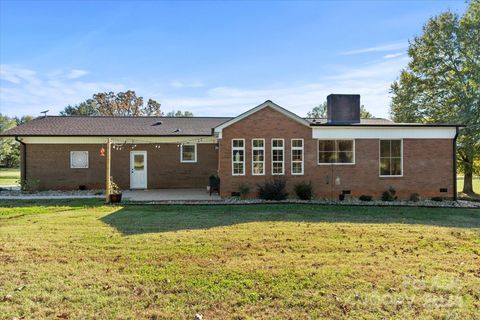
(212, 58)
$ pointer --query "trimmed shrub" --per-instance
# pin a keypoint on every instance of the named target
(438, 199)
(29, 185)
(365, 198)
(244, 190)
(304, 190)
(389, 195)
(414, 197)
(273, 190)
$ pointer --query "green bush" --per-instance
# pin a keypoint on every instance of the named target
(304, 190)
(29, 185)
(414, 197)
(365, 198)
(438, 199)
(273, 190)
(389, 195)
(244, 190)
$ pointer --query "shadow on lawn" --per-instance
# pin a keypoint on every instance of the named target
(164, 218)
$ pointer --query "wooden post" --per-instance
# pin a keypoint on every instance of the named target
(107, 177)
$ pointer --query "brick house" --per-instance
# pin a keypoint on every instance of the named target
(339, 154)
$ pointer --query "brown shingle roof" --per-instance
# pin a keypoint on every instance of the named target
(363, 121)
(117, 126)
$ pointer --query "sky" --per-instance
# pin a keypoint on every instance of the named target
(212, 58)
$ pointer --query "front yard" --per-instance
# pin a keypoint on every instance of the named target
(9, 176)
(83, 260)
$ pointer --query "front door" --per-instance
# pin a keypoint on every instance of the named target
(138, 170)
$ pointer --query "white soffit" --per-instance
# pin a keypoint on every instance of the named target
(102, 140)
(383, 132)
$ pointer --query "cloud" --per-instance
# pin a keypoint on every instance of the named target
(393, 55)
(25, 91)
(380, 48)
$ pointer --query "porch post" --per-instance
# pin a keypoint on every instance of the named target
(107, 177)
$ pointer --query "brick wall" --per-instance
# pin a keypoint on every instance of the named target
(427, 163)
(50, 164)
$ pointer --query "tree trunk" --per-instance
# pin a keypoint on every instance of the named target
(468, 180)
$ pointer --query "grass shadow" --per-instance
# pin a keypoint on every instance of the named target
(165, 218)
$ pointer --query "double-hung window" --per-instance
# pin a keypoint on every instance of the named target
(278, 157)
(391, 154)
(238, 157)
(336, 151)
(258, 157)
(188, 153)
(297, 156)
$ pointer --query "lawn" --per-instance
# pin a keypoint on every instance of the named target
(84, 260)
(476, 184)
(9, 176)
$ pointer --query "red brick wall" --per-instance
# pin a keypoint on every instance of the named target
(427, 163)
(50, 164)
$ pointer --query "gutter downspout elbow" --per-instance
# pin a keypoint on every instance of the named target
(23, 156)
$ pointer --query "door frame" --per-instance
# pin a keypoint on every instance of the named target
(132, 153)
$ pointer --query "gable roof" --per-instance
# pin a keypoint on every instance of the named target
(268, 103)
(117, 126)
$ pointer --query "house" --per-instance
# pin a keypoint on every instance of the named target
(341, 154)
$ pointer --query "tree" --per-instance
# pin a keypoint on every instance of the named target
(179, 113)
(442, 82)
(320, 111)
(114, 104)
(364, 114)
(9, 149)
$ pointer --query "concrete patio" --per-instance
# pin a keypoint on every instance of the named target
(169, 195)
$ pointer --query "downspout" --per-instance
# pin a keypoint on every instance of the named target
(455, 197)
(24, 157)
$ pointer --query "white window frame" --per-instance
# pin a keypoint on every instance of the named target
(71, 159)
(233, 159)
(335, 163)
(194, 153)
(283, 156)
(380, 157)
(291, 157)
(253, 161)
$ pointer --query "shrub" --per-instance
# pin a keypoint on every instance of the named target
(414, 197)
(365, 198)
(29, 185)
(438, 199)
(273, 190)
(304, 190)
(389, 195)
(114, 188)
(244, 190)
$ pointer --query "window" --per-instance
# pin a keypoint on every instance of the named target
(391, 154)
(297, 156)
(336, 151)
(188, 153)
(278, 158)
(79, 159)
(258, 157)
(238, 157)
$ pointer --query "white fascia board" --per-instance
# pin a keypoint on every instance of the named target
(276, 107)
(339, 132)
(101, 140)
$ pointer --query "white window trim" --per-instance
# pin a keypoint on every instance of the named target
(195, 154)
(283, 157)
(291, 157)
(379, 157)
(71, 160)
(233, 160)
(263, 162)
(336, 163)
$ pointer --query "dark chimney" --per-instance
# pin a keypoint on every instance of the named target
(343, 108)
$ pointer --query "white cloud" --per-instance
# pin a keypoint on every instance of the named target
(24, 91)
(380, 48)
(393, 55)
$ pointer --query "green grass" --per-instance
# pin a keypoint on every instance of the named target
(84, 260)
(9, 176)
(476, 184)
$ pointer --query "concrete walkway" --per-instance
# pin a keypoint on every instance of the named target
(169, 195)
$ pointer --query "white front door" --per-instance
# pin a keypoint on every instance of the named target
(138, 170)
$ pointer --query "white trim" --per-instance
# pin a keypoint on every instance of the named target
(283, 156)
(268, 103)
(82, 152)
(386, 133)
(194, 154)
(379, 158)
(336, 163)
(263, 162)
(291, 157)
(244, 155)
(130, 140)
(144, 152)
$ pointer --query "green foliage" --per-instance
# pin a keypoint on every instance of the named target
(442, 82)
(364, 197)
(9, 148)
(364, 114)
(29, 185)
(273, 190)
(414, 197)
(438, 199)
(114, 104)
(389, 195)
(320, 111)
(304, 190)
(179, 113)
(244, 190)
(114, 188)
